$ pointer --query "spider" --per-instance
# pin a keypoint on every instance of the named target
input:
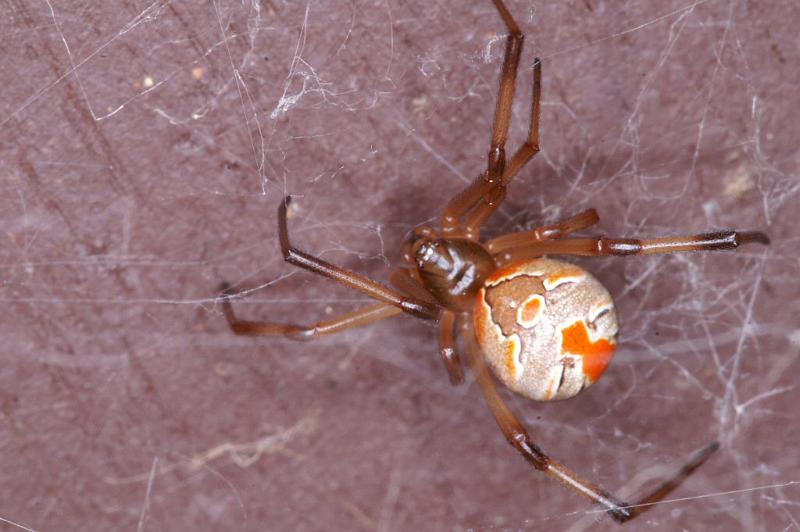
(546, 328)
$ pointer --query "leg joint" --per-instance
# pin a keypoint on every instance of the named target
(531, 452)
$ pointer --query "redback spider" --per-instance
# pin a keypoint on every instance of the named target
(546, 328)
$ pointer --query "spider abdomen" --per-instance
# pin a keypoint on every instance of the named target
(548, 328)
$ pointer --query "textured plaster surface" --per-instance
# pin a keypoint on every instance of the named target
(143, 152)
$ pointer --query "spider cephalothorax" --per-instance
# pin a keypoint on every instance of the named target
(453, 270)
(546, 328)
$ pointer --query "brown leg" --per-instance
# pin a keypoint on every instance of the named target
(508, 80)
(447, 348)
(531, 147)
(495, 167)
(406, 280)
(582, 220)
(518, 437)
(495, 196)
(415, 307)
(601, 246)
(363, 316)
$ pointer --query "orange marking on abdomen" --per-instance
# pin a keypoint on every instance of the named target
(528, 312)
(482, 319)
(512, 352)
(549, 393)
(565, 275)
(596, 355)
(503, 274)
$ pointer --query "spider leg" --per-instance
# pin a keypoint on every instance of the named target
(508, 80)
(413, 306)
(407, 281)
(355, 318)
(518, 437)
(602, 246)
(494, 197)
(530, 148)
(582, 220)
(496, 162)
(447, 348)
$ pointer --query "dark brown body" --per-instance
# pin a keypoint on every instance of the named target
(453, 270)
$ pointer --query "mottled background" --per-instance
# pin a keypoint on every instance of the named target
(145, 146)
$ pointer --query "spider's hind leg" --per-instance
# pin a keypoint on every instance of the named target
(518, 437)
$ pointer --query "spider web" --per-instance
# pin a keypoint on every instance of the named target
(146, 146)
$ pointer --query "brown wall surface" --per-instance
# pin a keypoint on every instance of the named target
(145, 147)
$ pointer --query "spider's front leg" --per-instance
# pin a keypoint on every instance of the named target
(355, 318)
(448, 351)
(391, 302)
(406, 280)
(292, 255)
(490, 186)
(518, 437)
(493, 197)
